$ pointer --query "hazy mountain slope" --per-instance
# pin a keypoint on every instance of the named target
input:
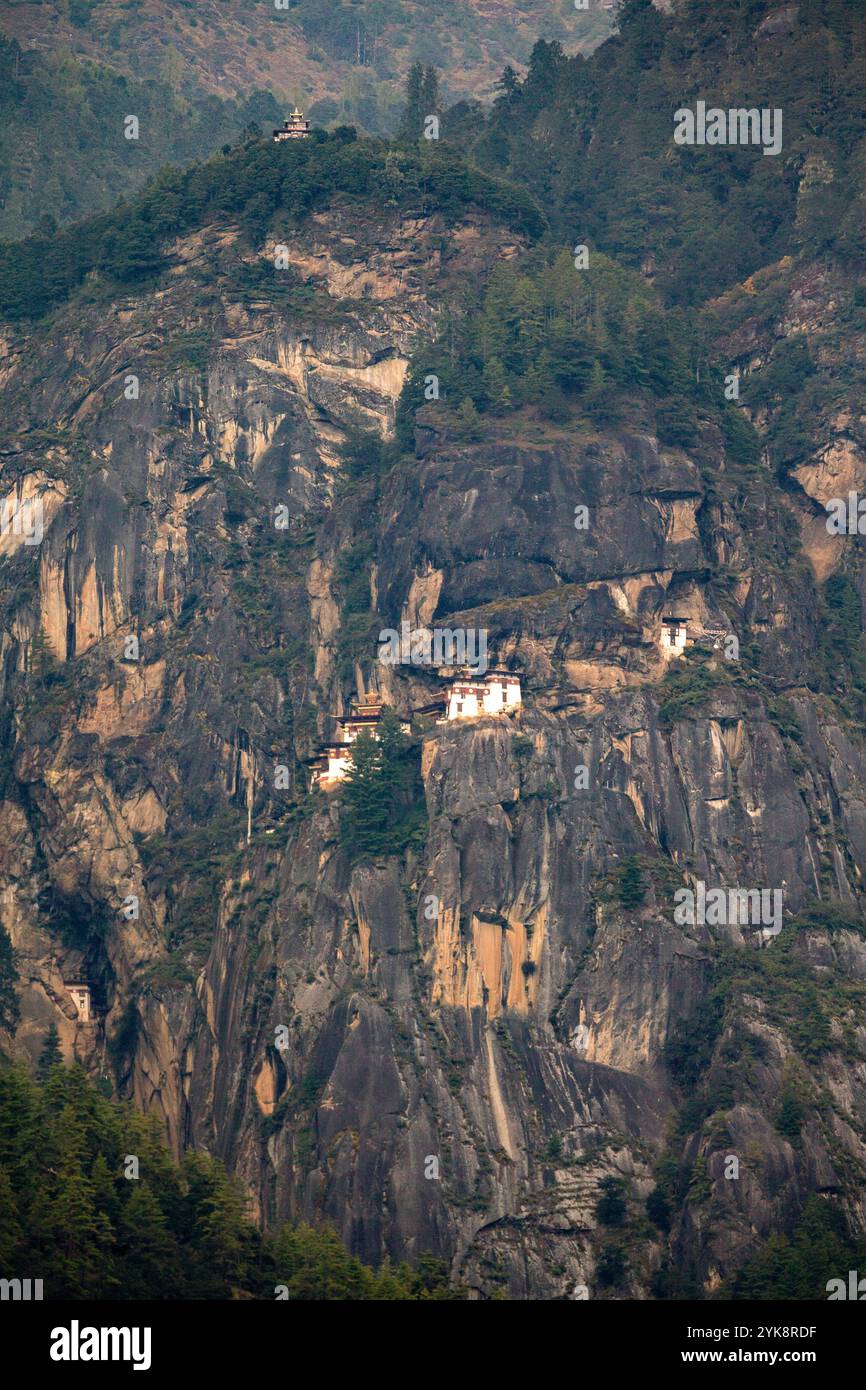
(195, 75)
(216, 44)
(63, 151)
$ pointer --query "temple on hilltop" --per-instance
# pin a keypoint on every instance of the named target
(295, 128)
(331, 763)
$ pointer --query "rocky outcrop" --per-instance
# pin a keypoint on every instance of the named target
(452, 1049)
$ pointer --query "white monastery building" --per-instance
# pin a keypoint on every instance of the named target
(496, 692)
(468, 696)
(80, 995)
(332, 762)
(674, 635)
(679, 633)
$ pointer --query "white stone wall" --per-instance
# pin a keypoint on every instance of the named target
(469, 699)
(464, 700)
(501, 694)
(337, 766)
(673, 639)
(81, 1000)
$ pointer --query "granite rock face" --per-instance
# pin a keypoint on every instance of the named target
(477, 1034)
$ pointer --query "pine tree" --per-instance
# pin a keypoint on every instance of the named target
(382, 808)
(106, 1182)
(429, 93)
(11, 1234)
(42, 658)
(546, 62)
(601, 400)
(568, 289)
(527, 316)
(314, 1265)
(23, 1131)
(411, 120)
(538, 384)
(365, 811)
(631, 885)
(468, 421)
(79, 1237)
(493, 330)
(496, 385)
(10, 1010)
(507, 87)
(676, 424)
(611, 1208)
(51, 1055)
(394, 179)
(223, 1234)
(149, 1254)
(390, 1285)
(643, 28)
(571, 357)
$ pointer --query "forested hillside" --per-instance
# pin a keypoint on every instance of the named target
(196, 75)
(607, 170)
(90, 1197)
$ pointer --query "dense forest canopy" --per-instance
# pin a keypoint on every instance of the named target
(92, 1200)
(592, 140)
(606, 171)
(249, 184)
(195, 75)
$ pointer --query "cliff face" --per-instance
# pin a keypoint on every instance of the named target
(479, 1033)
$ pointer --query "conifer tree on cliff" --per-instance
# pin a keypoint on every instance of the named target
(410, 123)
(9, 1010)
(365, 818)
(51, 1055)
(429, 93)
(643, 28)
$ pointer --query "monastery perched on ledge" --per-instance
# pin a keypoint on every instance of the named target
(467, 696)
(470, 696)
(81, 998)
(678, 633)
(332, 761)
(495, 693)
(674, 635)
(295, 128)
